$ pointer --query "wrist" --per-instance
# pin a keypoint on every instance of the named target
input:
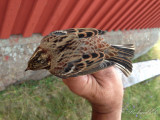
(106, 113)
(108, 108)
(112, 115)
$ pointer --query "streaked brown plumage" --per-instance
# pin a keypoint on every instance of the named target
(73, 52)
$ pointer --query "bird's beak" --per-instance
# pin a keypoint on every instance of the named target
(26, 69)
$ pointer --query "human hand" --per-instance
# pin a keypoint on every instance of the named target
(103, 89)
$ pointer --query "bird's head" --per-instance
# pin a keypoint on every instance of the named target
(39, 60)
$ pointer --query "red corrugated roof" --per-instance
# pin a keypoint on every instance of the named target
(43, 16)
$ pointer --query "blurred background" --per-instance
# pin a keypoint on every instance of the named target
(37, 95)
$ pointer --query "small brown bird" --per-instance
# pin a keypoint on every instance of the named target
(74, 52)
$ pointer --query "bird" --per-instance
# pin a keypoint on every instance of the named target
(79, 51)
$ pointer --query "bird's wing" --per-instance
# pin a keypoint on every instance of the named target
(91, 53)
(85, 62)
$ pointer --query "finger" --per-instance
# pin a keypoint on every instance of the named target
(81, 85)
(105, 73)
(74, 80)
(76, 83)
(108, 77)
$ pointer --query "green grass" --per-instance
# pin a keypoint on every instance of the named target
(142, 101)
(50, 99)
(46, 99)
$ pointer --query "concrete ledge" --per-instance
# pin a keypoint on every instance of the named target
(142, 71)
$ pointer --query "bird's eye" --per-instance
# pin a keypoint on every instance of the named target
(42, 61)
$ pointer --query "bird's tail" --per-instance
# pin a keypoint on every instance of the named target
(123, 59)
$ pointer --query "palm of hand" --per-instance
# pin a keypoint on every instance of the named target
(101, 89)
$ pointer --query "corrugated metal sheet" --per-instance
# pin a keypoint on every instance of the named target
(43, 16)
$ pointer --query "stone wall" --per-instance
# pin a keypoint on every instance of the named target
(15, 52)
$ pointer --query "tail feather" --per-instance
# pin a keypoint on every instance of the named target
(123, 69)
(123, 60)
(126, 50)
